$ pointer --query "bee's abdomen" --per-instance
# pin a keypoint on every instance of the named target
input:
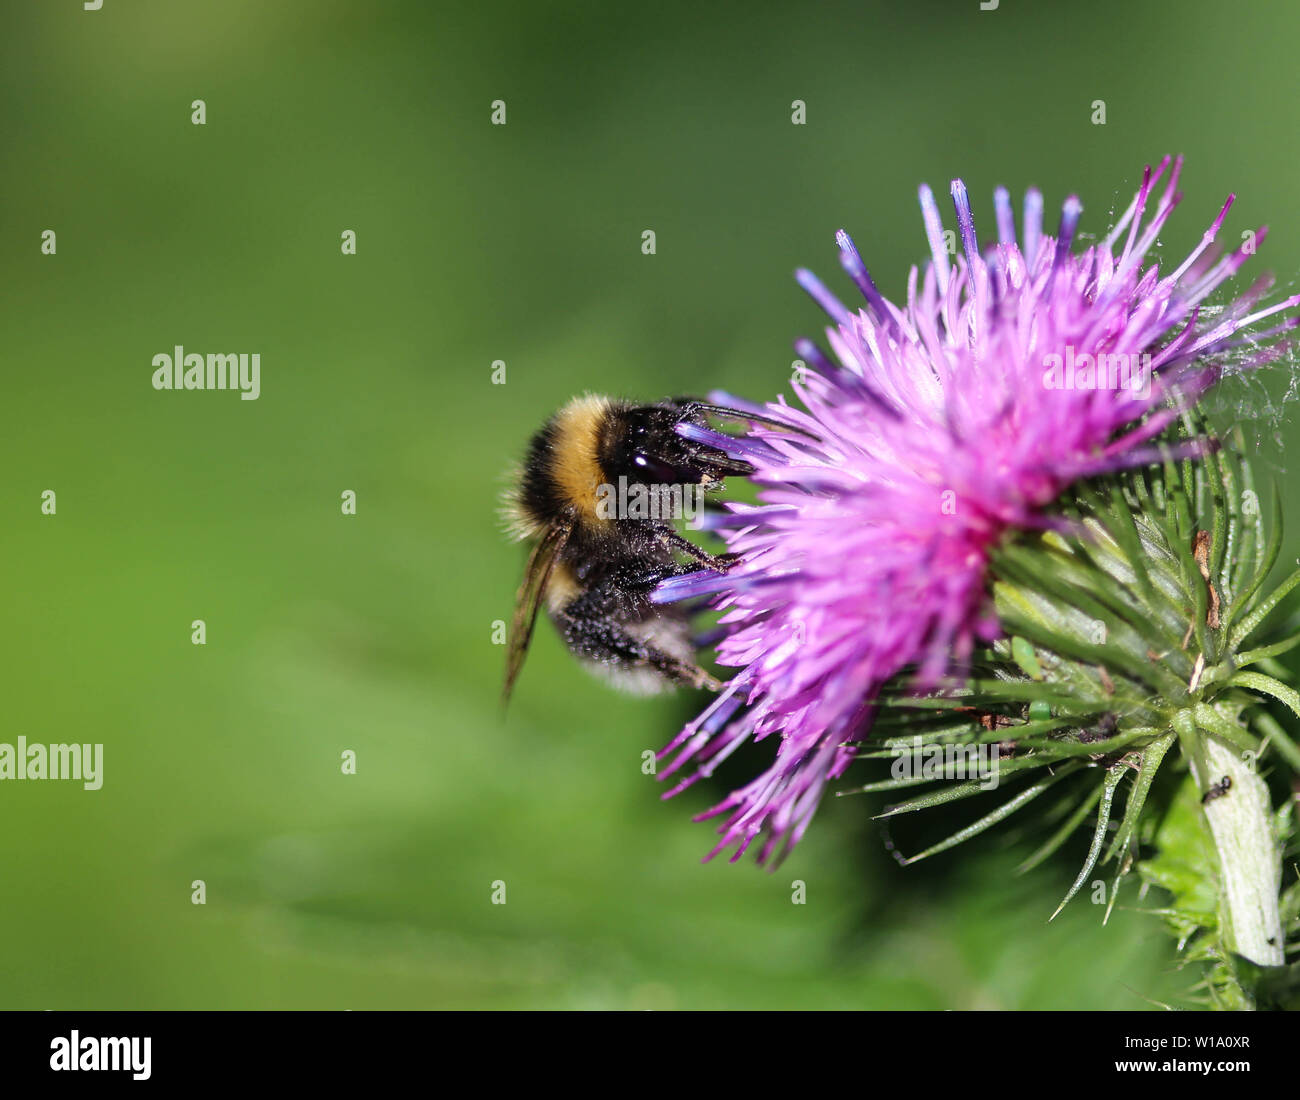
(566, 459)
(539, 498)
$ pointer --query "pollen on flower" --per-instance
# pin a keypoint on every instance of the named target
(931, 433)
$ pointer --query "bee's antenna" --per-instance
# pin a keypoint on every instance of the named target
(741, 414)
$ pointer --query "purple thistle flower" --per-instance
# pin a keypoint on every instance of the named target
(941, 426)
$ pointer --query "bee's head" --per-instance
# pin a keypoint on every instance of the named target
(642, 444)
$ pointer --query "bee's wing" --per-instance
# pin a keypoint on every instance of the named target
(537, 575)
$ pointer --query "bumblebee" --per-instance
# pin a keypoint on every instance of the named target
(601, 485)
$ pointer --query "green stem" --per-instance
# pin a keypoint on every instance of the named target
(1250, 865)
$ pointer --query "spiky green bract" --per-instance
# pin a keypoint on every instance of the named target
(1141, 632)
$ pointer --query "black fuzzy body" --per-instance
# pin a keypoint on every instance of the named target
(599, 592)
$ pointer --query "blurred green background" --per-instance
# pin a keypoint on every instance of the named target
(372, 633)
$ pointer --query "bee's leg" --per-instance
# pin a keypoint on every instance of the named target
(719, 563)
(590, 633)
(681, 671)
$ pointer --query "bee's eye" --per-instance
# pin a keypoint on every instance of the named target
(655, 469)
